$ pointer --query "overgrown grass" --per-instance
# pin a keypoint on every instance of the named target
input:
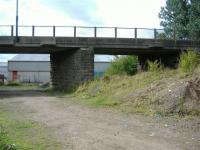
(189, 61)
(141, 93)
(14, 83)
(19, 133)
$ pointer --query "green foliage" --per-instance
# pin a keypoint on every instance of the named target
(5, 142)
(123, 65)
(154, 66)
(14, 83)
(188, 61)
(183, 16)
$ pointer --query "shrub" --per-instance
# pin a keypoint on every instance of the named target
(188, 61)
(14, 83)
(154, 66)
(123, 65)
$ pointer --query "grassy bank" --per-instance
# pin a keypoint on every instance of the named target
(19, 133)
(159, 92)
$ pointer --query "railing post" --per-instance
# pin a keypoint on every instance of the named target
(74, 31)
(155, 32)
(115, 32)
(12, 29)
(33, 31)
(95, 32)
(174, 34)
(135, 33)
(54, 31)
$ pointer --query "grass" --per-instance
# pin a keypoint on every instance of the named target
(189, 61)
(135, 94)
(20, 133)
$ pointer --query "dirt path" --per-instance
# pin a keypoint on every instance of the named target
(81, 128)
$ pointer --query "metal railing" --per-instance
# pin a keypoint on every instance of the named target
(81, 31)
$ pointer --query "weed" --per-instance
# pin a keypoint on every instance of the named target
(188, 61)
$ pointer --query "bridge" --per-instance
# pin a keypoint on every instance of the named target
(72, 48)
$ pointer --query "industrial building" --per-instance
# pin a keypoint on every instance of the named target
(35, 68)
(4, 69)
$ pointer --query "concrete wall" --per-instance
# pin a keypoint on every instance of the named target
(68, 69)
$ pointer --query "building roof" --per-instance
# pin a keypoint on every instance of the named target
(46, 57)
(31, 57)
(3, 64)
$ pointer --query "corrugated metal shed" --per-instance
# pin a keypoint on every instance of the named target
(3, 64)
(31, 57)
(46, 57)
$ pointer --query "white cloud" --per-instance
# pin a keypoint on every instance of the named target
(123, 13)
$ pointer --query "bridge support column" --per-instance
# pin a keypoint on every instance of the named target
(71, 68)
(168, 60)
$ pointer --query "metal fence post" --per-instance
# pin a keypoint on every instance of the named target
(115, 32)
(135, 33)
(12, 30)
(54, 31)
(33, 31)
(74, 31)
(155, 32)
(95, 32)
(174, 34)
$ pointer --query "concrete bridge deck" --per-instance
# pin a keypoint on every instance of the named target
(113, 46)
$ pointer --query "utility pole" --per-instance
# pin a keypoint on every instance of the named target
(17, 21)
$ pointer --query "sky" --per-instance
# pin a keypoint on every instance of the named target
(114, 13)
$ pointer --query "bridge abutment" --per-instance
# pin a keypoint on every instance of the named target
(168, 60)
(71, 67)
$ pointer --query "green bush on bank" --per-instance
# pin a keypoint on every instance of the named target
(154, 66)
(188, 61)
(124, 65)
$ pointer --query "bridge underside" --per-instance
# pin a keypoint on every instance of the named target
(72, 59)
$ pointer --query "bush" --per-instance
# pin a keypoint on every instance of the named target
(123, 65)
(154, 66)
(188, 61)
(14, 83)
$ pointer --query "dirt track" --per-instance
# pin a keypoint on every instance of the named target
(81, 128)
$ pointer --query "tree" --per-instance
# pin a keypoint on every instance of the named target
(182, 16)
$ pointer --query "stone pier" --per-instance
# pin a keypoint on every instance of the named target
(71, 67)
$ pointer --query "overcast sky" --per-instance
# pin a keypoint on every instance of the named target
(123, 13)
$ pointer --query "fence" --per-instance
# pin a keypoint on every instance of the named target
(81, 31)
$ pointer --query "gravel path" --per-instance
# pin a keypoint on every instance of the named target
(81, 128)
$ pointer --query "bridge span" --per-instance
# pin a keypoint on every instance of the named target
(72, 56)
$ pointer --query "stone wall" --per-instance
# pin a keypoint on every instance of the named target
(71, 67)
